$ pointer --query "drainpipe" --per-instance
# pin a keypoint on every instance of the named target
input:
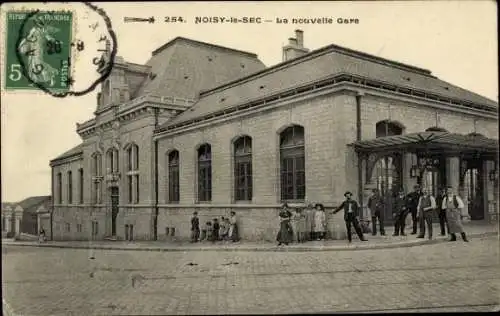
(155, 224)
(360, 159)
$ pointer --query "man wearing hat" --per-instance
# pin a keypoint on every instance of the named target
(376, 206)
(399, 213)
(412, 199)
(351, 214)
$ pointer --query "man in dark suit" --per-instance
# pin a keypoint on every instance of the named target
(376, 206)
(399, 213)
(351, 215)
(412, 199)
(442, 213)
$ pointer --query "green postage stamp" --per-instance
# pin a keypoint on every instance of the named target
(38, 50)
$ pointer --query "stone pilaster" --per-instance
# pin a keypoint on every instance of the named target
(8, 220)
(408, 181)
(453, 172)
(18, 226)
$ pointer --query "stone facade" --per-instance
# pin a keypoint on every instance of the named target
(329, 120)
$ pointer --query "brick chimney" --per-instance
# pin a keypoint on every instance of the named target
(295, 47)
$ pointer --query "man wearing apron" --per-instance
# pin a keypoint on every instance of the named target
(453, 205)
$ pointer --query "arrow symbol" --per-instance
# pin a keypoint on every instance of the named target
(133, 19)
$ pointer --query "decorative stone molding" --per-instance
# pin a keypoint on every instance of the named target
(113, 179)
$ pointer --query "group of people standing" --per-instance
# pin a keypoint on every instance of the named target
(420, 204)
(225, 229)
(301, 225)
(310, 223)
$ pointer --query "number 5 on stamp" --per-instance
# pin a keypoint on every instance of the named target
(42, 41)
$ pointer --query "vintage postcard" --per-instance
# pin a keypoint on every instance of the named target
(188, 158)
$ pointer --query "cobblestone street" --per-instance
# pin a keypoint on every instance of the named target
(440, 277)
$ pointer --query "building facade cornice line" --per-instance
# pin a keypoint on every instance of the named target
(66, 160)
(245, 112)
(353, 83)
(132, 109)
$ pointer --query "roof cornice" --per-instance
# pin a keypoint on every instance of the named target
(67, 159)
(354, 81)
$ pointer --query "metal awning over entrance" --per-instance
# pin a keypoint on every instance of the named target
(430, 142)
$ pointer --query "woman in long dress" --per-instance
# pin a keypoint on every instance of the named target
(302, 226)
(233, 228)
(285, 232)
(319, 222)
(295, 222)
(453, 205)
(309, 222)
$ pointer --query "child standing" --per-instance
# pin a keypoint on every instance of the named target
(204, 232)
(227, 224)
(195, 227)
(319, 222)
(215, 236)
(210, 231)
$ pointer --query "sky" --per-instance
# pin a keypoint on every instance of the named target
(456, 40)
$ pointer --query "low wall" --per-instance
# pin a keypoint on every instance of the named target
(254, 223)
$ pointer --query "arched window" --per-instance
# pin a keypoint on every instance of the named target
(133, 173)
(292, 163)
(173, 176)
(70, 187)
(112, 161)
(387, 169)
(436, 129)
(243, 169)
(388, 128)
(205, 173)
(96, 178)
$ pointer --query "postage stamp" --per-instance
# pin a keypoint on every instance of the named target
(38, 49)
(61, 49)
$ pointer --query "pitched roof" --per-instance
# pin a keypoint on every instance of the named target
(317, 65)
(31, 204)
(77, 150)
(183, 67)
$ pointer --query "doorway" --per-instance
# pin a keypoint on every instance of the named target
(115, 200)
(473, 183)
(434, 180)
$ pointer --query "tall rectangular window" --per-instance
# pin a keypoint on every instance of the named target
(205, 173)
(133, 173)
(173, 177)
(96, 178)
(80, 186)
(59, 188)
(137, 189)
(243, 169)
(70, 187)
(292, 164)
(130, 189)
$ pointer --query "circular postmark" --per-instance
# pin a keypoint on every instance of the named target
(63, 51)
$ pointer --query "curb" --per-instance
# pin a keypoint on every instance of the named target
(353, 247)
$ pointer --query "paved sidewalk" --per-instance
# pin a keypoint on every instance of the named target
(374, 242)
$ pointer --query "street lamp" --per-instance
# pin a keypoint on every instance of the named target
(413, 171)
